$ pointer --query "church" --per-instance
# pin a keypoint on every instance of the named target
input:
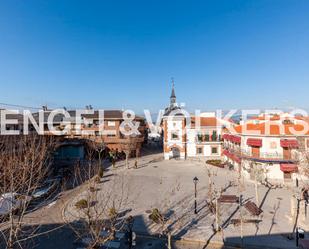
(190, 136)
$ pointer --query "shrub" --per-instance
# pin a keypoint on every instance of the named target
(81, 204)
(156, 216)
(112, 212)
(217, 163)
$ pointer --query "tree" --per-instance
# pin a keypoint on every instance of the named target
(258, 172)
(211, 191)
(128, 148)
(302, 159)
(95, 215)
(24, 166)
(98, 147)
(171, 217)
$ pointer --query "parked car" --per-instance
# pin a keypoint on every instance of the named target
(11, 202)
(46, 188)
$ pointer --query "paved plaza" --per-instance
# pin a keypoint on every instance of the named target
(168, 186)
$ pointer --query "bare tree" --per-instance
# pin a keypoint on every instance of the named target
(302, 158)
(128, 148)
(24, 165)
(96, 147)
(211, 191)
(259, 174)
(96, 214)
(172, 217)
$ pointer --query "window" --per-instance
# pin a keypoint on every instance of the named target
(214, 150)
(175, 135)
(199, 137)
(111, 123)
(214, 136)
(199, 150)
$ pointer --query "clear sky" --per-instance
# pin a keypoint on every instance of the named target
(122, 54)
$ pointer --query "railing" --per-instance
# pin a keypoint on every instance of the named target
(200, 141)
(263, 156)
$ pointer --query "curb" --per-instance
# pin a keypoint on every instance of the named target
(215, 244)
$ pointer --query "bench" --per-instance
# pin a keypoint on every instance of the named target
(228, 199)
(253, 208)
(237, 221)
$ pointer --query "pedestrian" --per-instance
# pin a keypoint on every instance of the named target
(135, 164)
(306, 196)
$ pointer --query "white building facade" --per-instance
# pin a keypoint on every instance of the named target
(272, 153)
(189, 136)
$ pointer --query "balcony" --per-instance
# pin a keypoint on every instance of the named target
(263, 156)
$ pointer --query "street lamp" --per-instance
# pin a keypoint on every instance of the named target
(195, 180)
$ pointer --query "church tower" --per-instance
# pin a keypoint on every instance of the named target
(174, 139)
(173, 96)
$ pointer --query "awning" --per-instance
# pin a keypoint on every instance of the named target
(288, 167)
(254, 142)
(237, 159)
(225, 136)
(232, 156)
(289, 143)
(232, 138)
(226, 153)
(236, 139)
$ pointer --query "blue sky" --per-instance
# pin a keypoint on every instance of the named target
(122, 54)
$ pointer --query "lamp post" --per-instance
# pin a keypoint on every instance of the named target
(195, 180)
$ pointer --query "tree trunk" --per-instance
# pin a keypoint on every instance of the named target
(256, 192)
(241, 221)
(127, 158)
(100, 164)
(217, 215)
(169, 240)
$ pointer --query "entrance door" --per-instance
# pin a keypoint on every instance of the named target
(176, 152)
(287, 176)
(255, 151)
(286, 153)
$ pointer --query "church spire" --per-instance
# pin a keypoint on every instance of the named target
(173, 95)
